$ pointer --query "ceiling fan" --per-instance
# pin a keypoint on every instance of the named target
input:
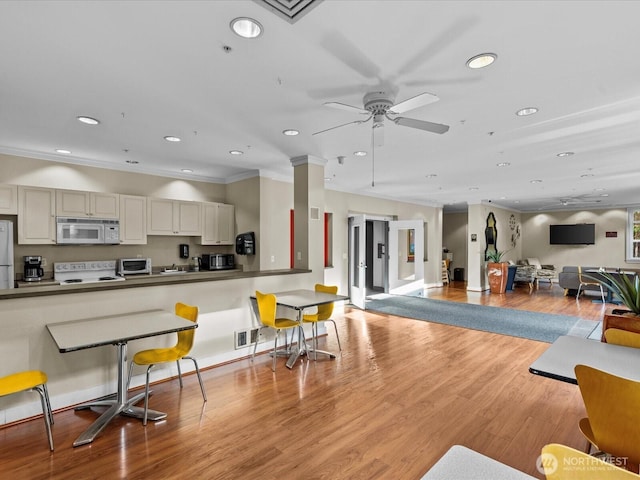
(568, 201)
(379, 106)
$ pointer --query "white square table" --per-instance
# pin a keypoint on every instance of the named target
(115, 330)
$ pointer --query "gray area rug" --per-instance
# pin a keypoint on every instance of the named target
(506, 321)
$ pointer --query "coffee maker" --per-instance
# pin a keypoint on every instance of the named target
(33, 268)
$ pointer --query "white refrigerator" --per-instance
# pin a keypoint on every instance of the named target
(7, 276)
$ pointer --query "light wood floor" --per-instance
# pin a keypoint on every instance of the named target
(398, 396)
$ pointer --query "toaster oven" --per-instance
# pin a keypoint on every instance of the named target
(217, 261)
(134, 266)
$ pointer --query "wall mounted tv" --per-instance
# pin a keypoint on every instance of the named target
(579, 234)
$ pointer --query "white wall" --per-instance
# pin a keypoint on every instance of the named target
(607, 252)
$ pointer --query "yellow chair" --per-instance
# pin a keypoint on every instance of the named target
(267, 304)
(32, 380)
(323, 314)
(588, 283)
(173, 354)
(613, 412)
(564, 463)
(625, 338)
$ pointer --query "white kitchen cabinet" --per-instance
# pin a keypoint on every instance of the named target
(133, 220)
(173, 217)
(75, 203)
(218, 224)
(36, 215)
(8, 199)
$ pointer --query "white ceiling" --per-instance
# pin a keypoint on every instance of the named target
(147, 69)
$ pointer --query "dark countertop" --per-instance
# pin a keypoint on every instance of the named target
(133, 281)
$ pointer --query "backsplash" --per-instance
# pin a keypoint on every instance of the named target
(163, 250)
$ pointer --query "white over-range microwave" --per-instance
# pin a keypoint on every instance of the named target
(87, 231)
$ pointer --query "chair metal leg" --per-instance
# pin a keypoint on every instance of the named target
(179, 372)
(255, 346)
(195, 363)
(146, 397)
(578, 294)
(275, 349)
(46, 411)
(336, 329)
(602, 294)
(46, 397)
(129, 377)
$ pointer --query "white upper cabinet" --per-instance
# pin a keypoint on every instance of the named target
(74, 203)
(8, 199)
(133, 220)
(173, 217)
(36, 215)
(218, 224)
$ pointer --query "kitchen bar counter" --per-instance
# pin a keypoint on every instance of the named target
(134, 281)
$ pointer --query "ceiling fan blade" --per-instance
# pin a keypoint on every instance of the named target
(422, 125)
(357, 122)
(344, 106)
(378, 134)
(414, 102)
(348, 53)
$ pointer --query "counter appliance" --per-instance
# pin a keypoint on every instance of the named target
(97, 271)
(33, 271)
(217, 261)
(7, 273)
(134, 266)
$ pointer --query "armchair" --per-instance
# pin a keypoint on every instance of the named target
(542, 272)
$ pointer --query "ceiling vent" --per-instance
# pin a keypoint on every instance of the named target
(290, 10)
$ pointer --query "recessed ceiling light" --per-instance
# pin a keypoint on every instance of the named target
(584, 175)
(526, 111)
(132, 162)
(360, 153)
(290, 132)
(236, 152)
(431, 175)
(171, 138)
(604, 194)
(246, 27)
(474, 188)
(503, 164)
(565, 154)
(63, 151)
(88, 120)
(186, 170)
(536, 181)
(482, 60)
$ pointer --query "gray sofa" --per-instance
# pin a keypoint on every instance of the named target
(568, 279)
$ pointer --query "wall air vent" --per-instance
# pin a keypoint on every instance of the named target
(290, 10)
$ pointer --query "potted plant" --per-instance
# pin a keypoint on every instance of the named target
(626, 286)
(497, 271)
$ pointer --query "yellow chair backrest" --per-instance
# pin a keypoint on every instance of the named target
(186, 337)
(325, 311)
(616, 336)
(564, 463)
(613, 410)
(267, 307)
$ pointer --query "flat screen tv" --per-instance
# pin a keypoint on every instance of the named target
(579, 234)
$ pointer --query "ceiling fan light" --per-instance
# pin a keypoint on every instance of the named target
(482, 60)
(246, 27)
